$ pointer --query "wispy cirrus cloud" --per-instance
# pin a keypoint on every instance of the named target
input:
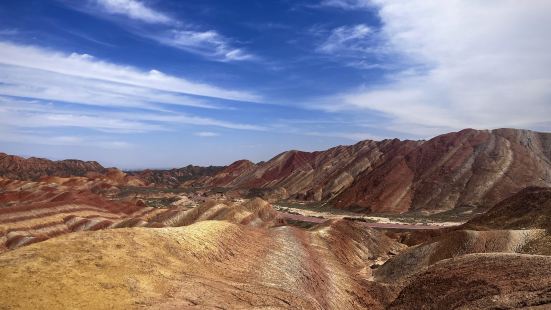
(209, 44)
(42, 137)
(21, 113)
(135, 10)
(346, 39)
(97, 96)
(357, 46)
(35, 72)
(36, 114)
(9, 32)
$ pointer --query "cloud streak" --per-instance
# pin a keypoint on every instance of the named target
(346, 38)
(14, 135)
(135, 10)
(209, 44)
(37, 114)
(206, 134)
(30, 71)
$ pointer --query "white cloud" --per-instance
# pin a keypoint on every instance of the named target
(209, 44)
(24, 114)
(346, 38)
(346, 4)
(481, 64)
(29, 71)
(40, 84)
(134, 10)
(206, 134)
(38, 122)
(8, 134)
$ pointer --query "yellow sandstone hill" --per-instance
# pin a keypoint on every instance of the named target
(205, 265)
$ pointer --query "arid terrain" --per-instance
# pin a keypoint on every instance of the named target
(461, 221)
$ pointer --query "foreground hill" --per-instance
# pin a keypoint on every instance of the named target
(455, 244)
(481, 281)
(209, 264)
(520, 223)
(213, 264)
(470, 168)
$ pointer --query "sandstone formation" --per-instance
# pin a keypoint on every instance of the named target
(517, 224)
(470, 168)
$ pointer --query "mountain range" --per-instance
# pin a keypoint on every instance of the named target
(470, 168)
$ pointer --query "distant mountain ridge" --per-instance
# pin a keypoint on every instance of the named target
(466, 168)
(174, 177)
(472, 168)
(32, 168)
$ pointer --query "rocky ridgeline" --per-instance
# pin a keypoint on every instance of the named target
(470, 168)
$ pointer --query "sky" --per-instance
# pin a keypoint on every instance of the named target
(165, 83)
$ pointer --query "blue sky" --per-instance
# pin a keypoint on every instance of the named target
(160, 84)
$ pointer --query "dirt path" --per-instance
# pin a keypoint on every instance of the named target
(312, 219)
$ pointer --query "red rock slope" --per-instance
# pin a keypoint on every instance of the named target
(466, 168)
(311, 175)
(469, 167)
